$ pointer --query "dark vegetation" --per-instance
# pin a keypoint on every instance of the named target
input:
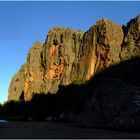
(42, 105)
(69, 98)
(128, 43)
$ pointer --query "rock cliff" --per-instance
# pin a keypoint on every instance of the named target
(48, 65)
(114, 104)
(72, 56)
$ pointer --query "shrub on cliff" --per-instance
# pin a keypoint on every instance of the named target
(128, 43)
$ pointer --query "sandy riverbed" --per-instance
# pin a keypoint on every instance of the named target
(57, 130)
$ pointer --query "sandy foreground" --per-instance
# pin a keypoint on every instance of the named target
(57, 130)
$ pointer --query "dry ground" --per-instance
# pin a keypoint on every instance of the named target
(57, 130)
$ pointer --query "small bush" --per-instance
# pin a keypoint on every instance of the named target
(73, 49)
(0, 109)
(17, 80)
(12, 109)
(43, 105)
(57, 29)
(128, 43)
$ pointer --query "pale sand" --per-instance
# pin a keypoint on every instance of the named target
(57, 130)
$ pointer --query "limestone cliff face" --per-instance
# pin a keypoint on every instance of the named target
(48, 65)
(131, 44)
(60, 54)
(101, 48)
(72, 56)
(28, 79)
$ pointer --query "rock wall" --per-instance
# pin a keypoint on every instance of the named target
(101, 48)
(48, 65)
(114, 104)
(72, 56)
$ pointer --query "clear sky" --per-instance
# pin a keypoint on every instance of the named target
(23, 23)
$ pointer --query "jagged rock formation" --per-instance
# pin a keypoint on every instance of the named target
(100, 49)
(70, 56)
(131, 43)
(48, 65)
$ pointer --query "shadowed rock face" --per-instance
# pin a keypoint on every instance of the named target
(114, 104)
(72, 56)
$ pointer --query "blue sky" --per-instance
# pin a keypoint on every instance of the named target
(23, 23)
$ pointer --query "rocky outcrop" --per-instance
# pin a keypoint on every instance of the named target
(114, 104)
(72, 56)
(23, 85)
(60, 54)
(101, 48)
(48, 65)
(131, 43)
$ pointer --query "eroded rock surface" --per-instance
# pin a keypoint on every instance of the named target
(101, 48)
(72, 56)
(131, 44)
(48, 65)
